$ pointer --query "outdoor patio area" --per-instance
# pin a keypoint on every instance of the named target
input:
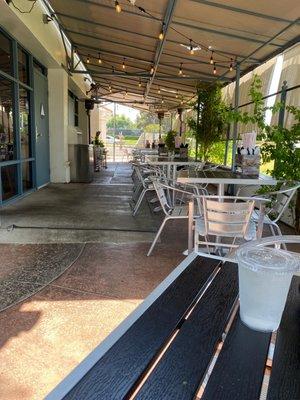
(149, 200)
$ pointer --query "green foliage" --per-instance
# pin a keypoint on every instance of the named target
(170, 140)
(278, 144)
(146, 118)
(98, 142)
(122, 122)
(207, 123)
(151, 128)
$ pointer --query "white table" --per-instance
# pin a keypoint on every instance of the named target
(170, 164)
(222, 177)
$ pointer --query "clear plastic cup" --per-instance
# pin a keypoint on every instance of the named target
(264, 279)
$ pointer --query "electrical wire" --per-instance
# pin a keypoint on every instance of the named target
(23, 11)
(203, 46)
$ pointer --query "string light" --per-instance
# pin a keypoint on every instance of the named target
(117, 6)
(123, 65)
(152, 69)
(212, 58)
(109, 88)
(215, 69)
(162, 100)
(192, 52)
(140, 83)
(99, 59)
(88, 59)
(161, 35)
(231, 65)
(180, 70)
(158, 91)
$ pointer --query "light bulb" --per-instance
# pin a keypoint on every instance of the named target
(123, 65)
(118, 7)
(180, 70)
(162, 101)
(99, 59)
(161, 35)
(215, 69)
(140, 83)
(158, 91)
(231, 65)
(152, 70)
(88, 59)
(192, 52)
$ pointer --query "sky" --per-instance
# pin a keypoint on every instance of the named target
(127, 111)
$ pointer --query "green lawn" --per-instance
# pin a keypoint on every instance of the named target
(130, 140)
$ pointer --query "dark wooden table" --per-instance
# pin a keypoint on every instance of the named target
(193, 327)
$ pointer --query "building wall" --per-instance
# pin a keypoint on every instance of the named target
(99, 117)
(44, 42)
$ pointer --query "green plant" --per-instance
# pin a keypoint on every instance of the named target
(170, 139)
(278, 144)
(210, 114)
(98, 142)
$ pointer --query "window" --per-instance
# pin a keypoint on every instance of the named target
(9, 178)
(7, 133)
(5, 54)
(73, 110)
(24, 119)
(23, 66)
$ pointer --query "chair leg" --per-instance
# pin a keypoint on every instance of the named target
(139, 202)
(157, 236)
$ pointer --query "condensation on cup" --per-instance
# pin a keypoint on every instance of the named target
(264, 279)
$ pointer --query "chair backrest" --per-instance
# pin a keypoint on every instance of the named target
(226, 218)
(282, 200)
(161, 194)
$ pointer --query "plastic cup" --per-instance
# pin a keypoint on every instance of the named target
(264, 279)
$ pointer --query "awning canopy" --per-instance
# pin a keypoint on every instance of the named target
(124, 54)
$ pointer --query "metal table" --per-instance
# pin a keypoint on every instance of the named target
(221, 178)
(170, 164)
(190, 325)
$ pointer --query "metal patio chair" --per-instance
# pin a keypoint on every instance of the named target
(225, 224)
(173, 198)
(278, 204)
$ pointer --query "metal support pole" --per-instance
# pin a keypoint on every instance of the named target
(226, 144)
(283, 102)
(197, 125)
(114, 144)
(190, 227)
(235, 124)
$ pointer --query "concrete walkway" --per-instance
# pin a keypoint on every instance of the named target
(44, 337)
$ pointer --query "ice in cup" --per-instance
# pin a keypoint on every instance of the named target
(264, 279)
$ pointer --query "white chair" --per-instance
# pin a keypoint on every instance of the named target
(173, 199)
(279, 202)
(226, 222)
(145, 175)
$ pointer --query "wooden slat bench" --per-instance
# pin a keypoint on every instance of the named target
(166, 347)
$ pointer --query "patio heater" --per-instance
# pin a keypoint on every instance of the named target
(180, 111)
(160, 116)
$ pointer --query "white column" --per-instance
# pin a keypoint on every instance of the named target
(58, 125)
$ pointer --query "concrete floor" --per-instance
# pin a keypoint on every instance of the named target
(86, 235)
(44, 337)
